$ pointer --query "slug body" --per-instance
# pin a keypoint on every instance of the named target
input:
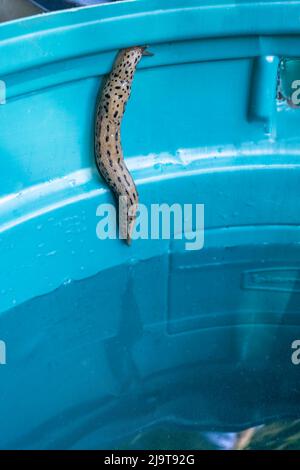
(108, 148)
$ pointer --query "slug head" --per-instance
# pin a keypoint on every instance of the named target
(146, 52)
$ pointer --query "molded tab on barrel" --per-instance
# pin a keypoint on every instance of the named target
(263, 93)
(273, 279)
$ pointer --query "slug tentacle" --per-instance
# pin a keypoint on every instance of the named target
(108, 148)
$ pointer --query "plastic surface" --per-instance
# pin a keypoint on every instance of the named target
(103, 340)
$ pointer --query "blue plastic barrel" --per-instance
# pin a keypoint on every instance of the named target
(100, 340)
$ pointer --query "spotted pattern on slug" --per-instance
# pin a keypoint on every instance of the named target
(108, 149)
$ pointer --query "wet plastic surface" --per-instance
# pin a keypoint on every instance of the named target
(104, 340)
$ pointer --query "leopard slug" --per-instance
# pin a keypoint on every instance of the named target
(108, 148)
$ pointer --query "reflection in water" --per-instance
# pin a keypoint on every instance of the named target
(282, 435)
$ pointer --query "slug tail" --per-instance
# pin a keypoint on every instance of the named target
(131, 222)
